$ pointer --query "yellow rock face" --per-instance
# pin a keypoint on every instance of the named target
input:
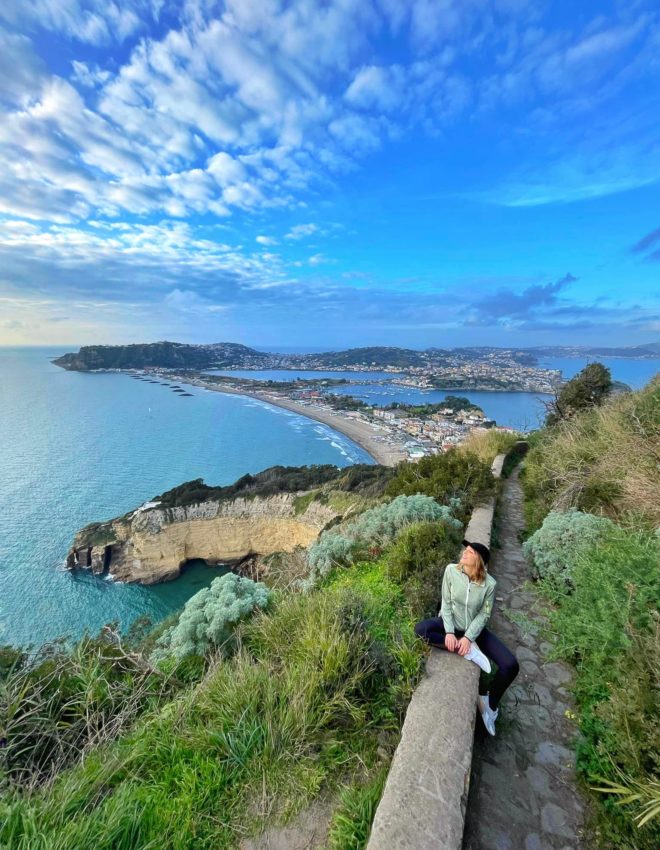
(149, 558)
(152, 544)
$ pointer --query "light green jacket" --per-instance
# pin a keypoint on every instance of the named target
(466, 605)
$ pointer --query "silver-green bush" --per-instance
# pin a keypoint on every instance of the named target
(374, 528)
(553, 548)
(210, 616)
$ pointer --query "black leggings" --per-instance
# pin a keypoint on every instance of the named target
(433, 632)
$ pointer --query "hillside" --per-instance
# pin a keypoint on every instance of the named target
(591, 487)
(256, 702)
(166, 355)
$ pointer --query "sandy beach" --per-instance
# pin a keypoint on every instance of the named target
(369, 437)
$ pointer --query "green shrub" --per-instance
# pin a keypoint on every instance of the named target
(553, 548)
(316, 684)
(363, 478)
(374, 529)
(268, 482)
(417, 561)
(453, 475)
(368, 480)
(209, 617)
(608, 626)
(589, 388)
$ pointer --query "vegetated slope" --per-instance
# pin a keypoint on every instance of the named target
(166, 355)
(365, 479)
(591, 498)
(606, 460)
(305, 698)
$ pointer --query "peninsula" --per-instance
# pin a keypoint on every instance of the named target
(491, 369)
(389, 435)
(276, 510)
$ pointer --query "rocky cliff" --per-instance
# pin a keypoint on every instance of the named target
(152, 543)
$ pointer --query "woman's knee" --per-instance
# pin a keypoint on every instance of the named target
(426, 629)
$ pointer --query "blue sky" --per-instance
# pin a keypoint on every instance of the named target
(314, 173)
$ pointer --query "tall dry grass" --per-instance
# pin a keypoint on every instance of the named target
(486, 445)
(605, 460)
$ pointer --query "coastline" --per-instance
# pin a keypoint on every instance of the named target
(369, 437)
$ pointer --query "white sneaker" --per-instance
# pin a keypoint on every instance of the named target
(476, 655)
(487, 714)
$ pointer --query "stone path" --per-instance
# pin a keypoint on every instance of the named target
(523, 791)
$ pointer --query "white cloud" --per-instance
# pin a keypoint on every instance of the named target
(266, 240)
(21, 71)
(91, 21)
(187, 301)
(377, 87)
(175, 246)
(254, 104)
(244, 93)
(357, 132)
(226, 169)
(302, 231)
(89, 74)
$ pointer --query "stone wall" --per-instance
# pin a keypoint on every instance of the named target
(425, 797)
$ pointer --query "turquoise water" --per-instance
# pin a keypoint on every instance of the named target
(80, 447)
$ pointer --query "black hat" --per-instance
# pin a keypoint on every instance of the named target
(484, 551)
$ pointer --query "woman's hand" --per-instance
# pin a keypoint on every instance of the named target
(464, 646)
(451, 643)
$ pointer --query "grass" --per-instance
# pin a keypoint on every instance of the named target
(605, 461)
(301, 503)
(340, 501)
(349, 829)
(348, 503)
(486, 445)
(312, 689)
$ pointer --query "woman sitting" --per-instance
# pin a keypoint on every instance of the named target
(468, 592)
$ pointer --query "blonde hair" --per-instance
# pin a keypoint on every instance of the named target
(481, 568)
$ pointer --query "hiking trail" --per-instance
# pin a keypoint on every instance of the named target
(524, 793)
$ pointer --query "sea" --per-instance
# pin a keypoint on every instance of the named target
(78, 448)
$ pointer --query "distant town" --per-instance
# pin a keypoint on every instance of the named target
(507, 370)
(389, 434)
